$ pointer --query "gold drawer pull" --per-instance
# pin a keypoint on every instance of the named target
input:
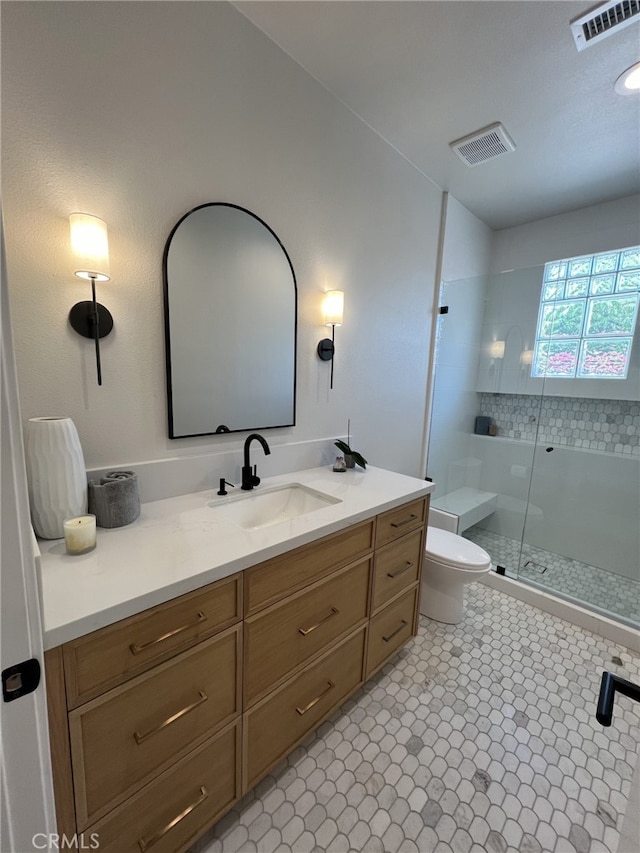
(142, 737)
(301, 711)
(399, 571)
(305, 631)
(397, 631)
(135, 649)
(412, 517)
(145, 843)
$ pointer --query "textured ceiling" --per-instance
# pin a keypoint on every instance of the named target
(424, 73)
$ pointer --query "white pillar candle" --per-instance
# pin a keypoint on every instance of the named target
(80, 534)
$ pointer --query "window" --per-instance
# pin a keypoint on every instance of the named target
(587, 317)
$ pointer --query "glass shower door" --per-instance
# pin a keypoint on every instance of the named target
(581, 539)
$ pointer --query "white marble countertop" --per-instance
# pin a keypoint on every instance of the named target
(177, 545)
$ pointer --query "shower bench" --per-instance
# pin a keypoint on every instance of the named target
(458, 510)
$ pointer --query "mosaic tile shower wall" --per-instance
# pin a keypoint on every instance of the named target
(605, 425)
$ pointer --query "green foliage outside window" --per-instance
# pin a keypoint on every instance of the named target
(562, 320)
(613, 316)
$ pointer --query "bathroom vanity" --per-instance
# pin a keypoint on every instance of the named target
(194, 649)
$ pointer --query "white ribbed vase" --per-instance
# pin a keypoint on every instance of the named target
(56, 474)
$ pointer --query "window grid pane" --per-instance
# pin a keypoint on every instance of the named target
(588, 312)
(602, 284)
(553, 290)
(562, 319)
(555, 270)
(607, 358)
(577, 287)
(555, 358)
(579, 266)
(630, 258)
(614, 315)
(628, 281)
(605, 263)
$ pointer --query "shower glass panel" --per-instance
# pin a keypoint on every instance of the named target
(483, 352)
(547, 479)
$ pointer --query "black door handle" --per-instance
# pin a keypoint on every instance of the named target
(608, 686)
(20, 679)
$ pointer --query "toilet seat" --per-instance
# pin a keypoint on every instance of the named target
(453, 551)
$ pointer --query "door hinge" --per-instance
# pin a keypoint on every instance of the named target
(20, 679)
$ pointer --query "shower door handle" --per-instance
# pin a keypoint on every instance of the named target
(609, 685)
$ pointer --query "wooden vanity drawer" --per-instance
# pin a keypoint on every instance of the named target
(273, 727)
(274, 579)
(390, 630)
(287, 635)
(170, 812)
(101, 660)
(396, 567)
(122, 739)
(395, 523)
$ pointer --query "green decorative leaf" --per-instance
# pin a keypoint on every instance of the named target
(358, 457)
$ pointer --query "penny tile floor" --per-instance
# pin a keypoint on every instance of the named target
(477, 737)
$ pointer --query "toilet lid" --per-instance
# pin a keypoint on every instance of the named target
(453, 550)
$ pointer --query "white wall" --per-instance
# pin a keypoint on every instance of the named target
(467, 244)
(613, 225)
(465, 261)
(137, 112)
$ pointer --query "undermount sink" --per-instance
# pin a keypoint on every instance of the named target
(270, 506)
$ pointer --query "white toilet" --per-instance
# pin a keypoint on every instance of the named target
(450, 562)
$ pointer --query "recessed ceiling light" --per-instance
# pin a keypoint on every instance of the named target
(628, 83)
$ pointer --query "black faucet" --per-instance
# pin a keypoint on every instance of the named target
(250, 477)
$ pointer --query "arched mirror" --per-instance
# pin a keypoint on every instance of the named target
(230, 301)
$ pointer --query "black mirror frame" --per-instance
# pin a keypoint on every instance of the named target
(222, 429)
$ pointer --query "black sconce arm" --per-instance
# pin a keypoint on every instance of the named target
(92, 320)
(326, 349)
(96, 329)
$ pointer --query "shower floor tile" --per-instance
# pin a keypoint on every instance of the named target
(607, 591)
(476, 737)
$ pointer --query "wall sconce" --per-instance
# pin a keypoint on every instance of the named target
(496, 349)
(90, 247)
(526, 357)
(333, 309)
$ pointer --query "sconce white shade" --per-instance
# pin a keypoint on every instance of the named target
(496, 349)
(90, 246)
(526, 357)
(333, 308)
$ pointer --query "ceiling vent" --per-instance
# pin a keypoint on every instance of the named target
(603, 21)
(483, 145)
